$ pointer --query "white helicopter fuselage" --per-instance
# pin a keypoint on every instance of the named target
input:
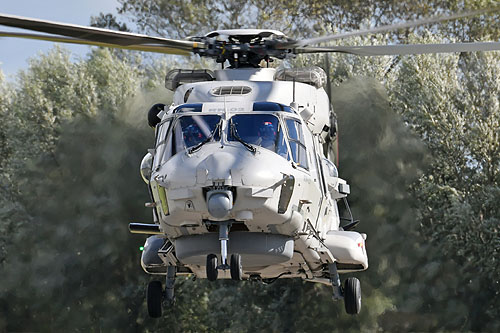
(280, 201)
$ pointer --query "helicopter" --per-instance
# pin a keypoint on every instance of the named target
(240, 179)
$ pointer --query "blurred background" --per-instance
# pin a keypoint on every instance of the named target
(419, 141)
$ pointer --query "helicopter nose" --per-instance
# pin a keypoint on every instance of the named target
(219, 203)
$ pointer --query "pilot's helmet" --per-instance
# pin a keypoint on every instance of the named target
(266, 131)
(192, 135)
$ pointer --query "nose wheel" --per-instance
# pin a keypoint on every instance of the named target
(236, 268)
(212, 271)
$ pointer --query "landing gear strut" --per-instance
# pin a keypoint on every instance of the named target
(169, 286)
(335, 280)
(224, 238)
(157, 298)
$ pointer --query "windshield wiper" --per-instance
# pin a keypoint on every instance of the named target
(234, 133)
(217, 130)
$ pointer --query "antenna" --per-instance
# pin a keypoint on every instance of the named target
(294, 104)
(225, 108)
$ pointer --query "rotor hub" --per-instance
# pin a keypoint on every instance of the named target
(243, 47)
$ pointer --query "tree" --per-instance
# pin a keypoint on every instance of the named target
(65, 135)
(179, 19)
(107, 21)
(457, 114)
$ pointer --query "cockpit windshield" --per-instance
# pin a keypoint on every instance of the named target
(190, 131)
(261, 130)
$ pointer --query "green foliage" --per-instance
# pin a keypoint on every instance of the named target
(178, 19)
(457, 114)
(67, 258)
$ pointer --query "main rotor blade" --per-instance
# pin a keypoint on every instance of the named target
(392, 27)
(404, 49)
(95, 36)
(143, 47)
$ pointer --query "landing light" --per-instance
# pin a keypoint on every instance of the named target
(146, 165)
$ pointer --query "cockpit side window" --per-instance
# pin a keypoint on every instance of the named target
(261, 130)
(161, 143)
(281, 148)
(296, 140)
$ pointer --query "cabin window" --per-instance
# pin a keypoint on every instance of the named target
(261, 130)
(296, 141)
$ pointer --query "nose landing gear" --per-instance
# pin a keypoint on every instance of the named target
(235, 267)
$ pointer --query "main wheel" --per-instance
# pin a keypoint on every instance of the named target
(212, 267)
(154, 298)
(235, 267)
(352, 296)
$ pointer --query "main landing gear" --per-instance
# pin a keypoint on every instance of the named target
(235, 267)
(351, 293)
(157, 298)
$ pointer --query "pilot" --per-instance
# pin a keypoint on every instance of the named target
(192, 135)
(267, 136)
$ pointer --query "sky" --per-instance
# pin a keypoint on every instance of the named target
(15, 52)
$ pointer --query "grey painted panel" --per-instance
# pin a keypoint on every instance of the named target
(256, 249)
(150, 253)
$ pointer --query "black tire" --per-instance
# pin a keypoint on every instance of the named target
(212, 267)
(154, 299)
(352, 296)
(235, 267)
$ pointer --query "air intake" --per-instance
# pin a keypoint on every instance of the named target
(231, 90)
